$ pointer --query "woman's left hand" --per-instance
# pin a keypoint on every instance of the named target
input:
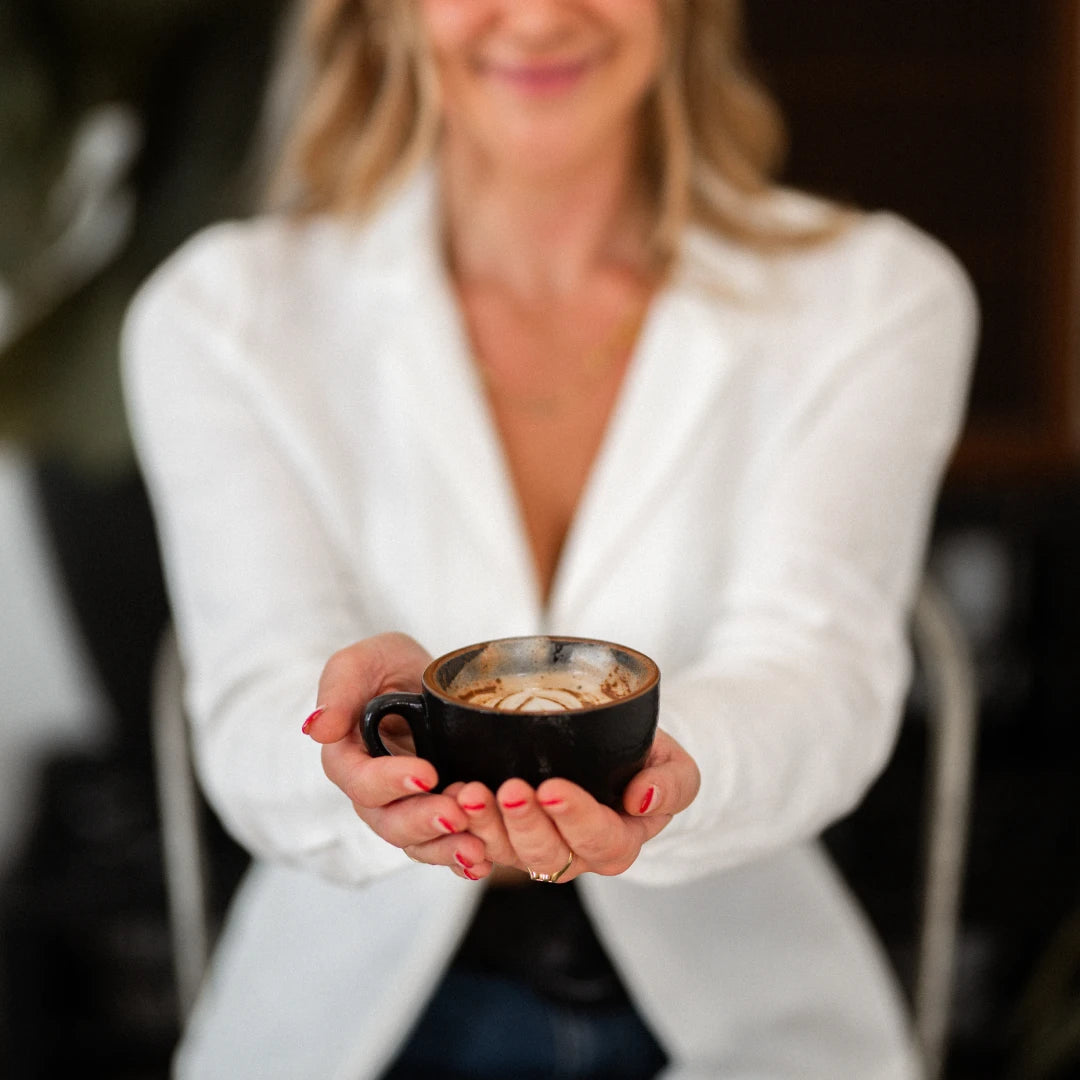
(538, 829)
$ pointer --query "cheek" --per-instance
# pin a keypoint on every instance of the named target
(447, 26)
(450, 25)
(640, 26)
(642, 21)
(651, 30)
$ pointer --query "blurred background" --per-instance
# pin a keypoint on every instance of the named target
(127, 124)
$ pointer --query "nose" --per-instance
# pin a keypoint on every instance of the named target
(539, 22)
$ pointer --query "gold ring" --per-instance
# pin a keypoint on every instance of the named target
(550, 879)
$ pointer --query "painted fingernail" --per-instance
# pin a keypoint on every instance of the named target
(514, 805)
(470, 875)
(551, 802)
(445, 825)
(647, 801)
(312, 718)
(474, 808)
(417, 784)
(462, 861)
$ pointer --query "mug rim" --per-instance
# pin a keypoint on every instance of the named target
(651, 682)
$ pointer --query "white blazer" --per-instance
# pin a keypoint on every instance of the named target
(323, 467)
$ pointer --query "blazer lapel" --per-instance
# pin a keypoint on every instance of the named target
(429, 364)
(688, 350)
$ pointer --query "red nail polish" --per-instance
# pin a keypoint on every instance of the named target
(420, 785)
(474, 807)
(470, 875)
(446, 825)
(550, 802)
(514, 805)
(312, 718)
(647, 801)
(462, 861)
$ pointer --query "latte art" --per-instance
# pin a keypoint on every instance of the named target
(533, 700)
(540, 692)
(542, 675)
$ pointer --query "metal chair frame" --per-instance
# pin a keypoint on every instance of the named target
(942, 648)
(183, 840)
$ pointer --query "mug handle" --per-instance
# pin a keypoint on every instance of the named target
(410, 707)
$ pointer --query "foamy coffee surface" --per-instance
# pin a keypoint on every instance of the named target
(590, 680)
(535, 692)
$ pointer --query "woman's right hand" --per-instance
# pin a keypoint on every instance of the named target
(389, 793)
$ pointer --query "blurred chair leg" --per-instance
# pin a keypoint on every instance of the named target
(183, 838)
(950, 675)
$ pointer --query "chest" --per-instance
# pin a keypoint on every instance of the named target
(552, 375)
(466, 515)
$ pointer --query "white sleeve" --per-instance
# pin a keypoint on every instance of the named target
(794, 708)
(259, 591)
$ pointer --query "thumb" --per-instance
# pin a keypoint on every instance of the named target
(356, 674)
(667, 785)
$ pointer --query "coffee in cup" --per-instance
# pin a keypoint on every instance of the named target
(534, 708)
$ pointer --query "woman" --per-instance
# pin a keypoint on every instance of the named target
(539, 347)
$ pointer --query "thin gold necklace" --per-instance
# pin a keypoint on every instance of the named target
(596, 363)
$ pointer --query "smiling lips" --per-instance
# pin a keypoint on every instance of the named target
(540, 78)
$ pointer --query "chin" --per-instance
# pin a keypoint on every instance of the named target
(549, 150)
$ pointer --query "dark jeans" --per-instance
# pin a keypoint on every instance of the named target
(480, 1026)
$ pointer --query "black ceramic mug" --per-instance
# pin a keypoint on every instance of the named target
(531, 707)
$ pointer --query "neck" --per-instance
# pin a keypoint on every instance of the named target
(540, 235)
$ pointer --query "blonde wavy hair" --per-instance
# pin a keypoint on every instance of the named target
(713, 140)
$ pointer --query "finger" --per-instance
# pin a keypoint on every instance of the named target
(463, 854)
(532, 834)
(667, 785)
(373, 782)
(603, 840)
(356, 674)
(486, 823)
(419, 819)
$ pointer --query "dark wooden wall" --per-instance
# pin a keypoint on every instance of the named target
(963, 116)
